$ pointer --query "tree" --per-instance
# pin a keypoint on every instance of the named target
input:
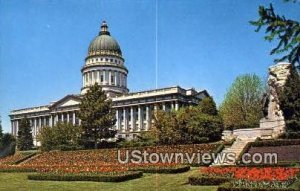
(208, 106)
(165, 129)
(97, 116)
(1, 133)
(8, 145)
(24, 139)
(289, 98)
(242, 106)
(193, 124)
(287, 31)
(62, 136)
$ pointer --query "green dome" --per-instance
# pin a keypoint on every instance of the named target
(104, 44)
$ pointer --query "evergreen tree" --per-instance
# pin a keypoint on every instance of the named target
(1, 133)
(287, 31)
(24, 138)
(97, 116)
(290, 104)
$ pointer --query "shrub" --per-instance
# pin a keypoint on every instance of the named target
(15, 169)
(114, 177)
(8, 146)
(273, 143)
(62, 136)
(206, 180)
(162, 169)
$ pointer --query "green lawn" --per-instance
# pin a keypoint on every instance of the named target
(18, 181)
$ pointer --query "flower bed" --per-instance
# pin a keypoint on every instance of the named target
(104, 156)
(17, 158)
(229, 187)
(96, 177)
(252, 177)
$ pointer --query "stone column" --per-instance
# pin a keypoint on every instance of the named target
(164, 106)
(132, 120)
(40, 124)
(117, 120)
(155, 107)
(55, 119)
(35, 126)
(176, 106)
(98, 77)
(140, 118)
(116, 78)
(148, 121)
(51, 121)
(124, 120)
(172, 105)
(106, 77)
(74, 118)
(109, 77)
(62, 117)
(68, 117)
(122, 79)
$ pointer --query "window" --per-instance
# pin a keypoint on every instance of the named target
(112, 79)
(106, 59)
(101, 59)
(101, 78)
(96, 59)
(116, 61)
(111, 60)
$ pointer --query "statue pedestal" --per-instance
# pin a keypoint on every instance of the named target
(277, 124)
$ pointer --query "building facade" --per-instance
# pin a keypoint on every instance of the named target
(105, 65)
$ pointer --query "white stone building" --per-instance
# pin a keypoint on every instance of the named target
(105, 65)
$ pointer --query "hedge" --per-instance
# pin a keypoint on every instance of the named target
(229, 188)
(272, 143)
(207, 180)
(79, 177)
(162, 169)
(16, 170)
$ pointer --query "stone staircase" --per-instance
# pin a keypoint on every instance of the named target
(229, 155)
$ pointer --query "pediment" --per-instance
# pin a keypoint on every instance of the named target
(69, 100)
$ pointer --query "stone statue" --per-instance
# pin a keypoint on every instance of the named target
(273, 115)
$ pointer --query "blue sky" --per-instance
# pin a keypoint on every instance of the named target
(201, 43)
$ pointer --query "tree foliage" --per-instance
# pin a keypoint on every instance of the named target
(193, 124)
(208, 106)
(8, 145)
(62, 136)
(287, 31)
(97, 116)
(24, 139)
(289, 99)
(1, 133)
(242, 106)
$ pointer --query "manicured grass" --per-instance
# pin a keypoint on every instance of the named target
(162, 182)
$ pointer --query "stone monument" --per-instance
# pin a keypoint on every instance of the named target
(273, 115)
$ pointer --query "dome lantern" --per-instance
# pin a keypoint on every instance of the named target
(104, 29)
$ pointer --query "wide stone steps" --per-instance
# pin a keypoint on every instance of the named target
(235, 150)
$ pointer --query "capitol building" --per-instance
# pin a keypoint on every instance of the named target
(105, 65)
